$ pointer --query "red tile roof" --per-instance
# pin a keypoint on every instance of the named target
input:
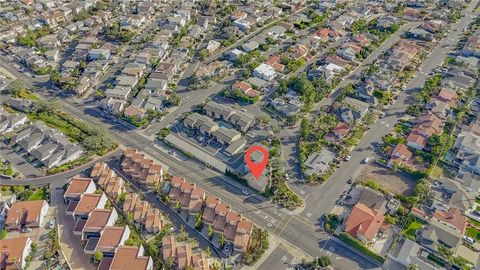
(454, 217)
(27, 213)
(78, 185)
(128, 257)
(11, 251)
(401, 154)
(417, 138)
(364, 221)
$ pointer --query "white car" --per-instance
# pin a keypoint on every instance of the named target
(286, 176)
(469, 240)
(366, 160)
(245, 192)
(348, 157)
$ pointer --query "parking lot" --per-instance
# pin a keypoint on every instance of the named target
(18, 162)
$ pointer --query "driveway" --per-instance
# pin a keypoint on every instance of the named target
(18, 163)
(71, 244)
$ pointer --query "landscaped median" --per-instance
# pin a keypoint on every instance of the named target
(352, 242)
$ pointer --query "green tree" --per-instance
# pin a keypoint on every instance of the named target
(93, 143)
(324, 261)
(55, 76)
(391, 219)
(16, 87)
(97, 256)
(174, 99)
(82, 64)
(413, 267)
(164, 132)
(3, 234)
(304, 128)
(25, 195)
(47, 106)
(203, 53)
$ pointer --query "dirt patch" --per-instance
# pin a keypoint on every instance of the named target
(395, 182)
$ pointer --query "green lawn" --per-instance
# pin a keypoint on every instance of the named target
(39, 194)
(409, 232)
(473, 233)
(473, 221)
(477, 199)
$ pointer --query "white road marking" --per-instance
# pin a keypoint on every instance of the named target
(309, 214)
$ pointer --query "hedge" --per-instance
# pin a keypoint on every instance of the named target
(360, 247)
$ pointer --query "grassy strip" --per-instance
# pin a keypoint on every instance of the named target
(360, 247)
(70, 165)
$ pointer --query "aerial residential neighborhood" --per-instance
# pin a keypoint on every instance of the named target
(223, 134)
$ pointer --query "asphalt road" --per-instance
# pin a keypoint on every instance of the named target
(279, 259)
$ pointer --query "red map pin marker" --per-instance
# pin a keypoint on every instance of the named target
(256, 167)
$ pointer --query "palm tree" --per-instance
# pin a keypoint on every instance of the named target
(167, 199)
(178, 206)
(208, 251)
(198, 221)
(169, 263)
(221, 240)
(216, 266)
(210, 231)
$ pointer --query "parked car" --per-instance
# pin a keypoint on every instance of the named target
(51, 225)
(227, 248)
(171, 152)
(26, 230)
(366, 160)
(348, 157)
(245, 192)
(469, 240)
